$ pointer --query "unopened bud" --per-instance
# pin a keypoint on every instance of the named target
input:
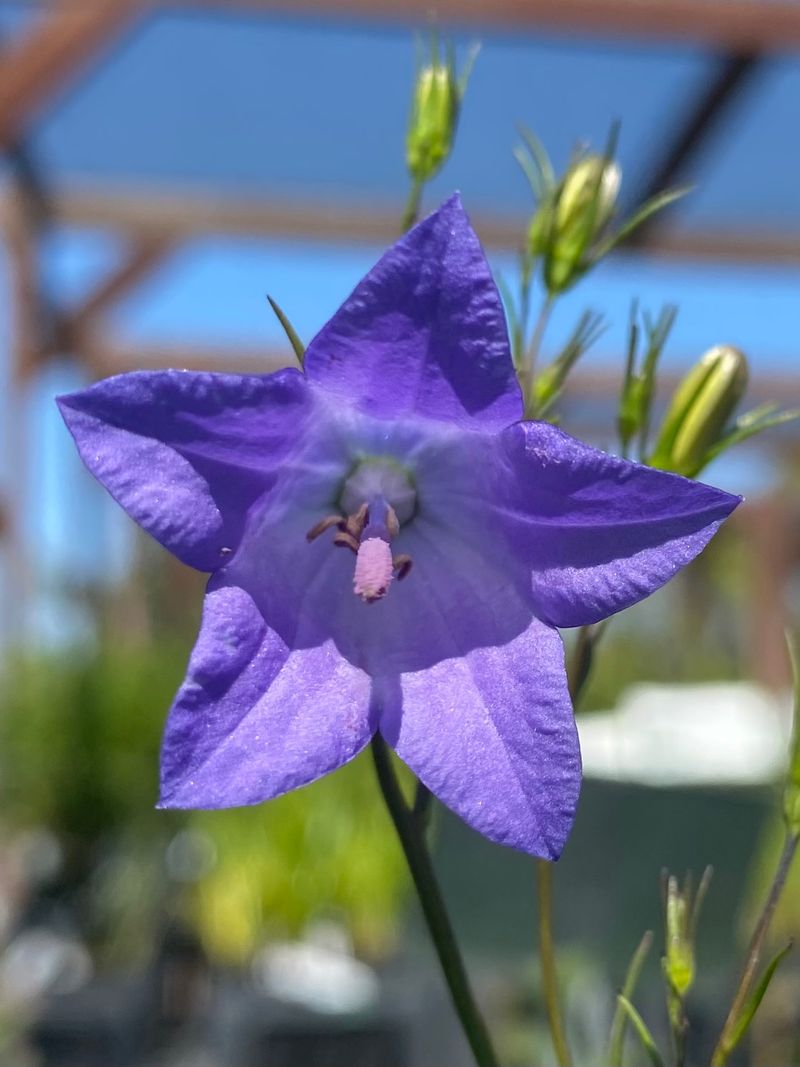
(434, 116)
(700, 411)
(582, 211)
(589, 194)
(679, 956)
(681, 913)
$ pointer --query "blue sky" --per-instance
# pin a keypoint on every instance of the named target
(231, 104)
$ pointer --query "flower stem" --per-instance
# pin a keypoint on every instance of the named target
(579, 671)
(725, 1043)
(433, 907)
(538, 332)
(544, 882)
(411, 213)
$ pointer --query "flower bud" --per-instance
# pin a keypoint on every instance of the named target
(681, 913)
(582, 211)
(679, 954)
(589, 194)
(700, 410)
(434, 116)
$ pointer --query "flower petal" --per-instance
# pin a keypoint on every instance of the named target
(186, 454)
(255, 718)
(600, 533)
(492, 735)
(424, 333)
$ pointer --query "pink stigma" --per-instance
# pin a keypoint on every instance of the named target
(374, 569)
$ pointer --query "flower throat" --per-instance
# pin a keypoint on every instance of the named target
(377, 499)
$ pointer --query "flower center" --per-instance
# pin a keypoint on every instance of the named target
(376, 478)
(377, 498)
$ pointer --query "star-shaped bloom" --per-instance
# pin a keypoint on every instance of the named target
(391, 549)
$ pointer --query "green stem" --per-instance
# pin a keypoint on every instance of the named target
(580, 668)
(433, 907)
(619, 1025)
(421, 811)
(528, 366)
(411, 213)
(521, 327)
(538, 331)
(725, 1043)
(544, 881)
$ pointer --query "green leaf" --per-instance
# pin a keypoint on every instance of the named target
(752, 1005)
(646, 211)
(289, 330)
(748, 425)
(618, 1026)
(512, 317)
(549, 385)
(539, 156)
(640, 1026)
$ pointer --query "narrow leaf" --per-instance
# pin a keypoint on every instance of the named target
(294, 340)
(648, 209)
(618, 1026)
(750, 424)
(531, 172)
(539, 154)
(752, 1005)
(640, 1026)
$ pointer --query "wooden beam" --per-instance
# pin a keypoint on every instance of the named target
(155, 219)
(748, 26)
(145, 254)
(600, 385)
(27, 333)
(105, 356)
(52, 53)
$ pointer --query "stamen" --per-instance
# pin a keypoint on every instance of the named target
(373, 569)
(377, 499)
(346, 540)
(402, 565)
(323, 525)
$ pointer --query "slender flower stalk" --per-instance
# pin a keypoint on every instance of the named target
(621, 1017)
(580, 668)
(547, 952)
(727, 1039)
(433, 907)
(538, 333)
(411, 213)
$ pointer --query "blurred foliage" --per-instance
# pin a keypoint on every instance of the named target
(328, 848)
(79, 740)
(648, 642)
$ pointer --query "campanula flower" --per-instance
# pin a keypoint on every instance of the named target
(391, 549)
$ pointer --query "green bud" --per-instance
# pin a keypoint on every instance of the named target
(549, 383)
(638, 386)
(539, 231)
(436, 103)
(700, 410)
(681, 913)
(590, 188)
(582, 210)
(679, 957)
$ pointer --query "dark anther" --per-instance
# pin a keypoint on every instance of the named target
(402, 565)
(346, 540)
(325, 524)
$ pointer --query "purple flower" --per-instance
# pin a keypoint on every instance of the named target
(402, 443)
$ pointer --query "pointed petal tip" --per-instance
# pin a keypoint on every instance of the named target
(449, 213)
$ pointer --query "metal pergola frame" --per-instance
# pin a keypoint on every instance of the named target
(740, 35)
